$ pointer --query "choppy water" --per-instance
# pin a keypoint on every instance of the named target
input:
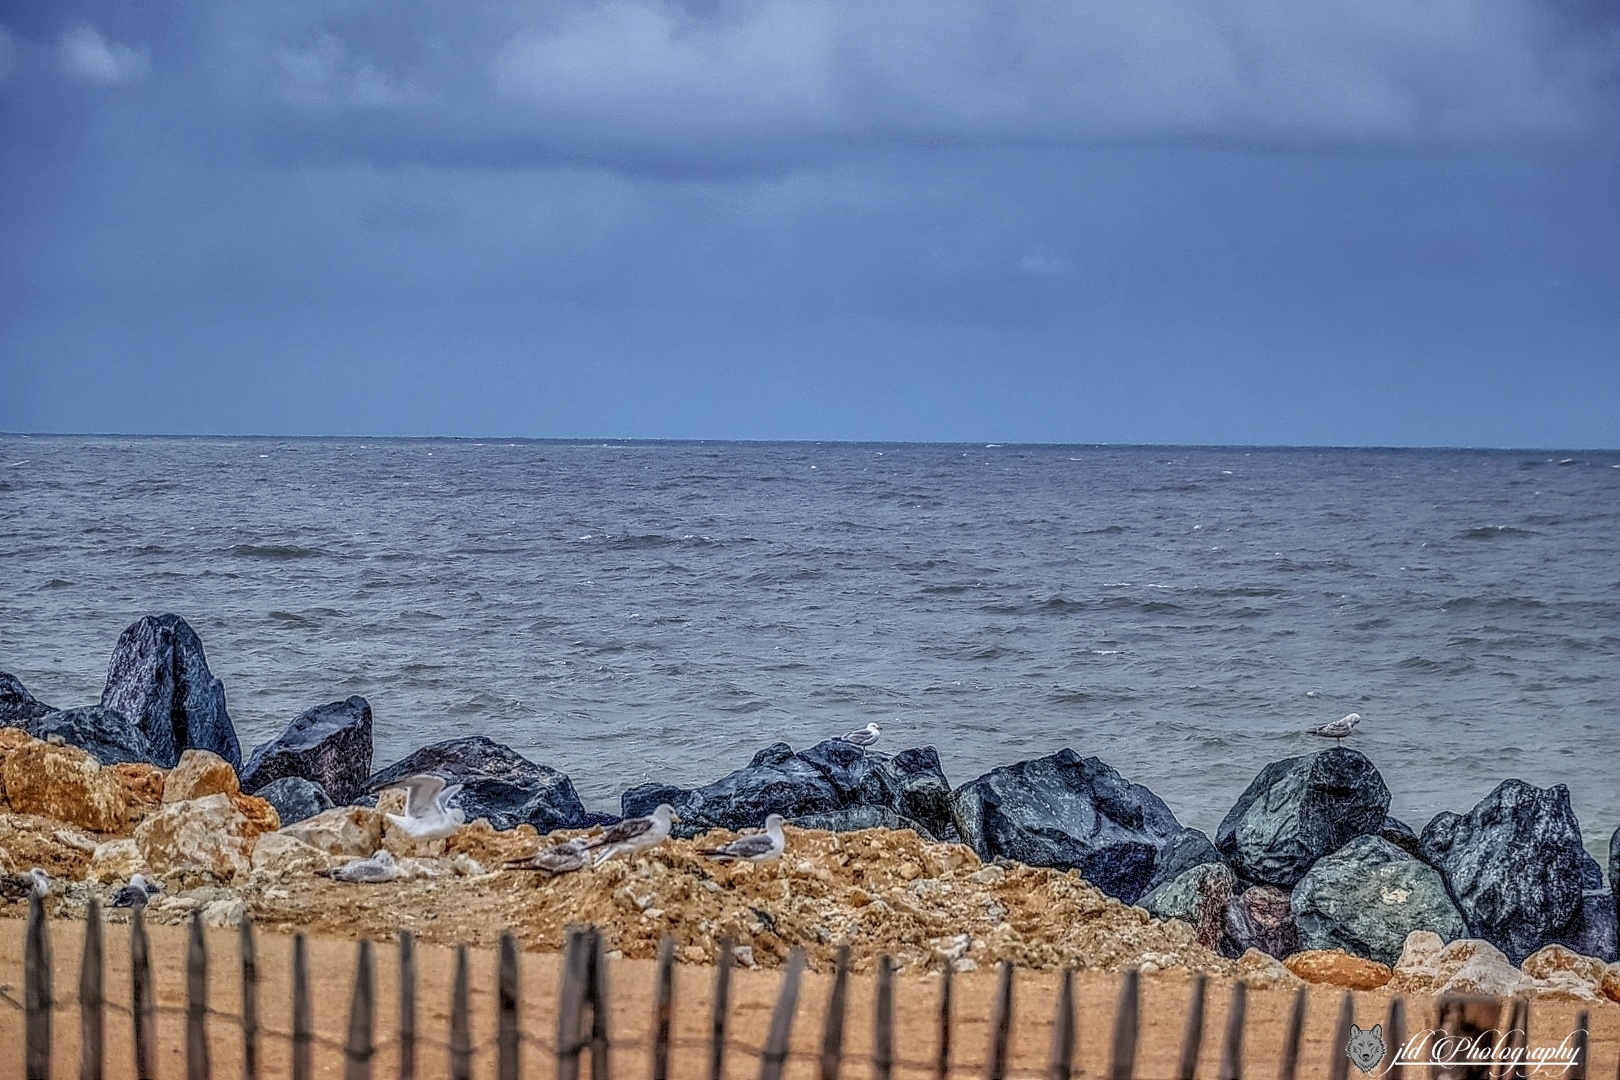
(629, 612)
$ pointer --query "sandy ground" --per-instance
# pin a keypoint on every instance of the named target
(1164, 997)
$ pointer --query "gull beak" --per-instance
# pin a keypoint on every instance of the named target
(675, 818)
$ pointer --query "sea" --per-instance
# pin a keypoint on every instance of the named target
(635, 611)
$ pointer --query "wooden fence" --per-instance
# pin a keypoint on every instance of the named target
(583, 1018)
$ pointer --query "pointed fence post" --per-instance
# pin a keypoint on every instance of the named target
(995, 1062)
(601, 1006)
(250, 1000)
(1394, 1036)
(407, 1006)
(302, 1030)
(1192, 1037)
(197, 1066)
(91, 999)
(1467, 1017)
(722, 1008)
(883, 1021)
(460, 1021)
(37, 991)
(1518, 1035)
(1289, 1067)
(571, 1003)
(1339, 1068)
(1122, 1064)
(1232, 1047)
(1061, 1066)
(142, 1007)
(942, 1057)
(776, 1042)
(832, 1030)
(358, 1049)
(508, 1060)
(663, 1007)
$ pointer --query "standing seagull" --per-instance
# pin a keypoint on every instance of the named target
(136, 893)
(761, 847)
(862, 737)
(635, 834)
(379, 868)
(557, 859)
(19, 886)
(428, 814)
(1339, 728)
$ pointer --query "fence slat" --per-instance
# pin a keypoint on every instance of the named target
(37, 991)
(600, 1006)
(1192, 1037)
(995, 1062)
(722, 1009)
(91, 999)
(1289, 1067)
(1578, 1071)
(508, 1060)
(832, 1029)
(302, 1032)
(359, 1047)
(1467, 1017)
(407, 1006)
(197, 1067)
(1394, 1036)
(1122, 1062)
(250, 1000)
(776, 1043)
(942, 1059)
(1339, 1066)
(1061, 1065)
(1232, 1047)
(142, 1007)
(1518, 1037)
(460, 1021)
(570, 1003)
(883, 1021)
(663, 1007)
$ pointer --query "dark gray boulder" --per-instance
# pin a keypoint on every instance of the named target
(1184, 851)
(329, 744)
(17, 705)
(294, 798)
(1068, 812)
(1401, 834)
(1367, 896)
(159, 678)
(1595, 929)
(1297, 811)
(1260, 918)
(498, 783)
(859, 817)
(1512, 865)
(911, 783)
(1591, 872)
(107, 734)
(1198, 895)
(1614, 863)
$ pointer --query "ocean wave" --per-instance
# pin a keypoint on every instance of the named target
(1493, 603)
(1492, 532)
(274, 551)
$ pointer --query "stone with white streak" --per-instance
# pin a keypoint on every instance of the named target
(206, 837)
(343, 830)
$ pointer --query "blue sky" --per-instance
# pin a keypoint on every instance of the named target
(1206, 221)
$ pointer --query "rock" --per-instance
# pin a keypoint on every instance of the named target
(159, 678)
(1400, 834)
(910, 784)
(1257, 968)
(295, 798)
(1611, 982)
(281, 854)
(1335, 967)
(143, 784)
(776, 781)
(1551, 959)
(1298, 810)
(226, 911)
(1591, 872)
(1594, 930)
(499, 784)
(343, 830)
(1464, 967)
(115, 860)
(206, 837)
(1260, 918)
(1367, 897)
(1187, 849)
(1512, 864)
(17, 705)
(1614, 863)
(106, 733)
(1198, 896)
(329, 745)
(857, 818)
(1068, 812)
(199, 773)
(261, 816)
(65, 783)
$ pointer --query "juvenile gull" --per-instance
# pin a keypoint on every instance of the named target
(19, 886)
(380, 867)
(634, 834)
(557, 859)
(761, 847)
(862, 737)
(428, 814)
(136, 893)
(1339, 728)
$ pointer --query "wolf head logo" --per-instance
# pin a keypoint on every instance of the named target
(1366, 1048)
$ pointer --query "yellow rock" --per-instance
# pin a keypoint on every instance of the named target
(261, 816)
(199, 773)
(65, 783)
(143, 782)
(1550, 960)
(342, 830)
(1611, 982)
(1335, 967)
(115, 860)
(206, 837)
(280, 854)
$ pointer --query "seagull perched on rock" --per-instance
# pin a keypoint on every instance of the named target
(19, 886)
(758, 848)
(379, 868)
(634, 834)
(557, 859)
(136, 893)
(1339, 728)
(428, 814)
(862, 737)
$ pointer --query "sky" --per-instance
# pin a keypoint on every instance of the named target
(1348, 222)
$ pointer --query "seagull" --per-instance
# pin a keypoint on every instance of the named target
(634, 834)
(557, 859)
(136, 893)
(1339, 728)
(862, 737)
(380, 867)
(428, 814)
(19, 886)
(761, 847)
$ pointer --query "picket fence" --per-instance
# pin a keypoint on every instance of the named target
(583, 1018)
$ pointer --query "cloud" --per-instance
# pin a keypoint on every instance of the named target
(8, 54)
(88, 57)
(327, 73)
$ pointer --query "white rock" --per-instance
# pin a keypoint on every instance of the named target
(208, 837)
(224, 912)
(342, 830)
(280, 854)
(1467, 966)
(116, 861)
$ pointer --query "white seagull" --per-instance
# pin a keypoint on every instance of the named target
(634, 834)
(562, 858)
(428, 814)
(862, 737)
(758, 848)
(19, 886)
(136, 893)
(1339, 728)
(379, 868)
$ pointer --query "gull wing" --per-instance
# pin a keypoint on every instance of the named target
(628, 829)
(421, 793)
(745, 847)
(447, 794)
